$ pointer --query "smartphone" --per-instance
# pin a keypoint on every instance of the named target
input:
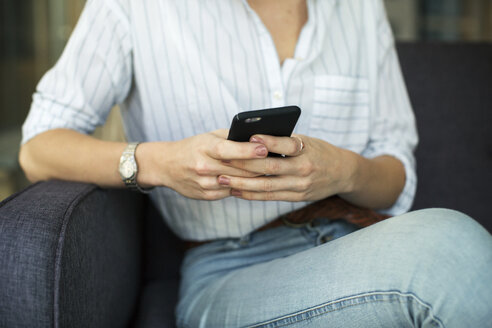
(278, 122)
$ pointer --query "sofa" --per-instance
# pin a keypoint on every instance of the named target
(75, 255)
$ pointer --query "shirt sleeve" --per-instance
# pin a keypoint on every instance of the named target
(393, 129)
(92, 75)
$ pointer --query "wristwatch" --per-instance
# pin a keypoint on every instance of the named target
(128, 168)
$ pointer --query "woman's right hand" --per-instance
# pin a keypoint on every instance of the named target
(191, 166)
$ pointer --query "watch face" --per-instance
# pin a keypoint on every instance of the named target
(127, 169)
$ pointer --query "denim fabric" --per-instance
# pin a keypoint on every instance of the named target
(428, 268)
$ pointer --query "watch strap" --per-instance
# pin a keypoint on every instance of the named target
(129, 154)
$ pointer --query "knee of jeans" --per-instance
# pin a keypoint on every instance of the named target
(444, 221)
(453, 254)
(449, 229)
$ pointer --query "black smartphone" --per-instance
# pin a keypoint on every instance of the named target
(278, 122)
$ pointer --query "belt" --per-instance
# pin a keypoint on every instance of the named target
(334, 208)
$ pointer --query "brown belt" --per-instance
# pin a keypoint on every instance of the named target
(333, 208)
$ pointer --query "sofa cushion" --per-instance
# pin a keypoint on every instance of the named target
(101, 264)
(31, 223)
(70, 256)
(157, 303)
(163, 249)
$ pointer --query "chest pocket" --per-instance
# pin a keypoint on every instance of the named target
(341, 111)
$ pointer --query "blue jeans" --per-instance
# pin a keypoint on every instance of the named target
(429, 268)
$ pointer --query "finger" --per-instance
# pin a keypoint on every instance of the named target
(264, 184)
(235, 172)
(289, 146)
(229, 150)
(214, 194)
(215, 168)
(269, 165)
(210, 183)
(221, 133)
(287, 196)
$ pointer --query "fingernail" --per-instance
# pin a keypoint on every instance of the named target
(236, 193)
(256, 140)
(261, 151)
(224, 181)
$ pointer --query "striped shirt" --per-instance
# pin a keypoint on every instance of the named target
(182, 68)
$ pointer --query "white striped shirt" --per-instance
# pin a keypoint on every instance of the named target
(181, 68)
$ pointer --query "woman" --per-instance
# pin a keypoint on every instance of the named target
(180, 69)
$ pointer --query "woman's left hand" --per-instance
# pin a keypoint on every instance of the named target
(312, 169)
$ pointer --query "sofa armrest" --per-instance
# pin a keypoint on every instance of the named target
(70, 256)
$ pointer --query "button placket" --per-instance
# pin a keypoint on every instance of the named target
(274, 72)
(278, 95)
(270, 59)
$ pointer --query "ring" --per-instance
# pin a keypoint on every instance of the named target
(302, 144)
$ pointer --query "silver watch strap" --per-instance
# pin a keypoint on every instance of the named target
(132, 182)
(131, 148)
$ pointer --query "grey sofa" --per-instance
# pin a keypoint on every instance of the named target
(74, 255)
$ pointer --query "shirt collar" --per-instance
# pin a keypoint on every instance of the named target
(333, 2)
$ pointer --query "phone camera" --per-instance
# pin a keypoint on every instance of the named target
(252, 119)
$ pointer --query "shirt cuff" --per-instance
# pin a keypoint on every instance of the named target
(47, 115)
(405, 200)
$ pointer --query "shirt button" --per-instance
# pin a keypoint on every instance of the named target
(277, 95)
(299, 58)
